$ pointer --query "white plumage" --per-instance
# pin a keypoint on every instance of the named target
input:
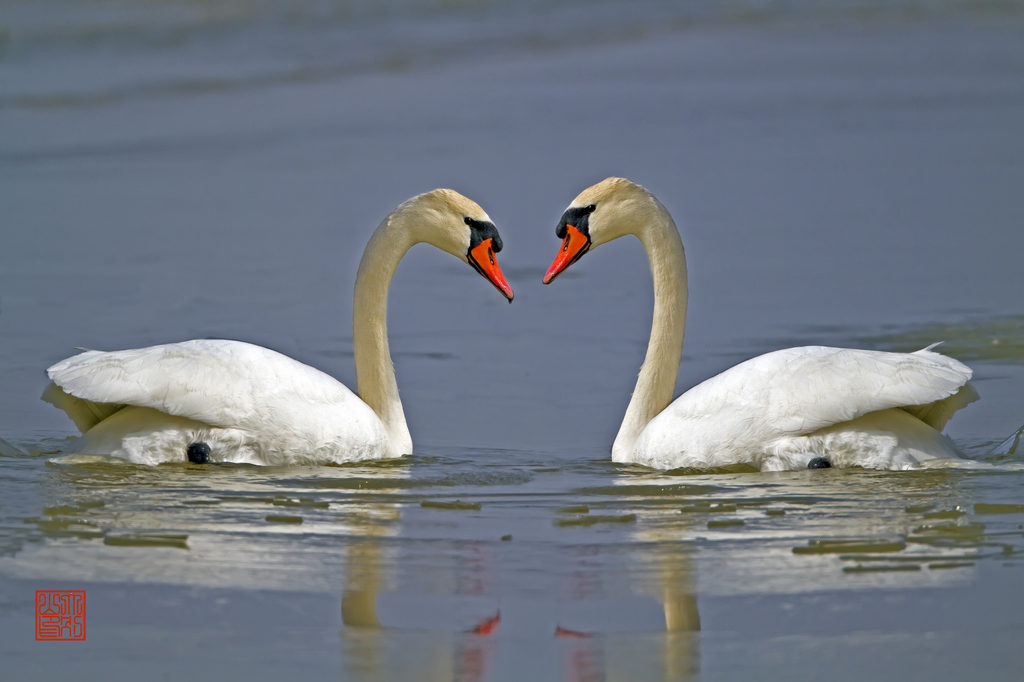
(780, 410)
(777, 411)
(254, 405)
(250, 403)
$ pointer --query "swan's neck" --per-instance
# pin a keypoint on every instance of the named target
(375, 373)
(657, 381)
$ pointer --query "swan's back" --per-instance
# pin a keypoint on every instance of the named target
(799, 391)
(223, 384)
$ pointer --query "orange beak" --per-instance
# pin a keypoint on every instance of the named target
(575, 245)
(481, 257)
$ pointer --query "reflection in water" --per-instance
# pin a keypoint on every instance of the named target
(621, 613)
(368, 645)
(673, 568)
(585, 573)
(811, 531)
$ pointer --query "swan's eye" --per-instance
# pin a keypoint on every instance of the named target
(591, 208)
(467, 220)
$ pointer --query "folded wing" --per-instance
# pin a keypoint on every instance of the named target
(797, 391)
(221, 383)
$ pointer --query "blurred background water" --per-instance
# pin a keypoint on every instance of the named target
(846, 173)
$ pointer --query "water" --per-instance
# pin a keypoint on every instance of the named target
(846, 174)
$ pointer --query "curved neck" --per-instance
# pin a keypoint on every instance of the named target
(375, 373)
(657, 380)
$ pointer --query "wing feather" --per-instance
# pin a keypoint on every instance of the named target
(221, 383)
(797, 391)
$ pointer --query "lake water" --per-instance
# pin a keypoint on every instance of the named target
(846, 173)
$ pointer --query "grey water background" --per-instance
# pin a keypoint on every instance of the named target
(846, 173)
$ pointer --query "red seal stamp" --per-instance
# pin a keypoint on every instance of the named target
(60, 615)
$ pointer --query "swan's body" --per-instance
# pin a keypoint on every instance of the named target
(247, 403)
(250, 404)
(781, 410)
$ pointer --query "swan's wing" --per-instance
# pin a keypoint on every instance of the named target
(797, 391)
(221, 383)
(83, 413)
(937, 414)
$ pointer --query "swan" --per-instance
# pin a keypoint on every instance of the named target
(217, 400)
(807, 407)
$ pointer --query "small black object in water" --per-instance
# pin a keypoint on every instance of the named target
(198, 453)
(816, 463)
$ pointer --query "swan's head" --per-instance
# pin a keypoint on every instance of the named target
(608, 210)
(458, 225)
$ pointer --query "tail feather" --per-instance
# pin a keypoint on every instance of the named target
(84, 413)
(937, 414)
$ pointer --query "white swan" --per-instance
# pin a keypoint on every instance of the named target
(811, 406)
(231, 401)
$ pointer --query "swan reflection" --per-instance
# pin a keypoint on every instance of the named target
(605, 611)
